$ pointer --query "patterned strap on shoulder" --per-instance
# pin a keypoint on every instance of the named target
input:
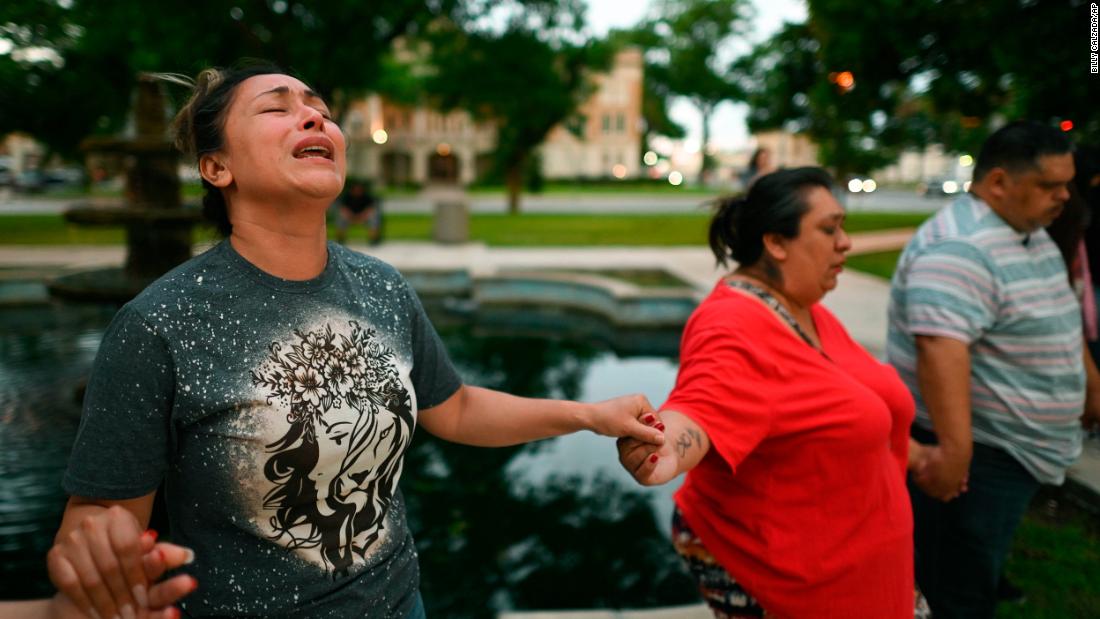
(772, 302)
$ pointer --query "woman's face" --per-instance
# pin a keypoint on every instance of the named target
(280, 142)
(811, 262)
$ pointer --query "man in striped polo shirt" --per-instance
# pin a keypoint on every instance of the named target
(986, 332)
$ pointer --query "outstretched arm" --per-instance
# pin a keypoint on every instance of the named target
(488, 418)
(684, 448)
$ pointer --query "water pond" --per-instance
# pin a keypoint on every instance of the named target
(555, 524)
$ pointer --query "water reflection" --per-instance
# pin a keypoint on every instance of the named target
(45, 353)
(554, 524)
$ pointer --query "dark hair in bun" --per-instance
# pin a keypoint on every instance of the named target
(775, 204)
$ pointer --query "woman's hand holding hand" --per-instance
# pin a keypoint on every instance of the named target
(686, 445)
(627, 416)
(158, 560)
(650, 465)
(101, 566)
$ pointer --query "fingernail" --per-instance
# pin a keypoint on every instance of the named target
(128, 612)
(189, 556)
(139, 595)
(653, 458)
(661, 427)
(649, 418)
(150, 533)
(172, 612)
(194, 583)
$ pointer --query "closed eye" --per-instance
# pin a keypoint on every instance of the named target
(274, 109)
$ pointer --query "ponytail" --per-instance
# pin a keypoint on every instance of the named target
(723, 228)
(774, 204)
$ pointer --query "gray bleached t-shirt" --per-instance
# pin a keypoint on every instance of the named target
(277, 413)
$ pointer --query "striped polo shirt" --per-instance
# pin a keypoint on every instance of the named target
(966, 274)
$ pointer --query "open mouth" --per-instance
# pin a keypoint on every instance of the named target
(311, 152)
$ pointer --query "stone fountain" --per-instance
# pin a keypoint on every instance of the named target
(158, 225)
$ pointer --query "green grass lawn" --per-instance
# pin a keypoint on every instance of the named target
(880, 263)
(492, 229)
(1056, 561)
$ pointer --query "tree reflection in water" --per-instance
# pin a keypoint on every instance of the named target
(488, 542)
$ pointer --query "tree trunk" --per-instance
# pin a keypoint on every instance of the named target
(513, 180)
(705, 110)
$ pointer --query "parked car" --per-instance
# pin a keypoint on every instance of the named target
(942, 186)
(37, 181)
(861, 184)
(7, 177)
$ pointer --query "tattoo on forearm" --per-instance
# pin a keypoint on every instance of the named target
(687, 439)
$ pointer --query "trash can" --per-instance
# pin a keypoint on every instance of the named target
(452, 221)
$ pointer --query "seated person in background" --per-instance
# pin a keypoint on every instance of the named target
(360, 206)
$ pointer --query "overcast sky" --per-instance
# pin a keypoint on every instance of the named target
(727, 128)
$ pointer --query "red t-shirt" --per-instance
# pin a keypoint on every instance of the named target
(802, 496)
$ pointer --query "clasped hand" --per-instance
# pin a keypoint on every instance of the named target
(106, 568)
(939, 474)
(626, 417)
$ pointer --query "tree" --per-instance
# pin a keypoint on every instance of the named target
(973, 65)
(526, 77)
(916, 74)
(857, 127)
(683, 39)
(71, 68)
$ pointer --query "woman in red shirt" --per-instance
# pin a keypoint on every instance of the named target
(795, 440)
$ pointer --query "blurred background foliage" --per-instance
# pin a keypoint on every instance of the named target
(863, 80)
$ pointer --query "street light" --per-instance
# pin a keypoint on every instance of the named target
(844, 80)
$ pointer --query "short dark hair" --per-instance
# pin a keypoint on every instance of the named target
(199, 127)
(775, 204)
(1017, 147)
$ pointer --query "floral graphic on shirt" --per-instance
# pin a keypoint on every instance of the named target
(336, 468)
